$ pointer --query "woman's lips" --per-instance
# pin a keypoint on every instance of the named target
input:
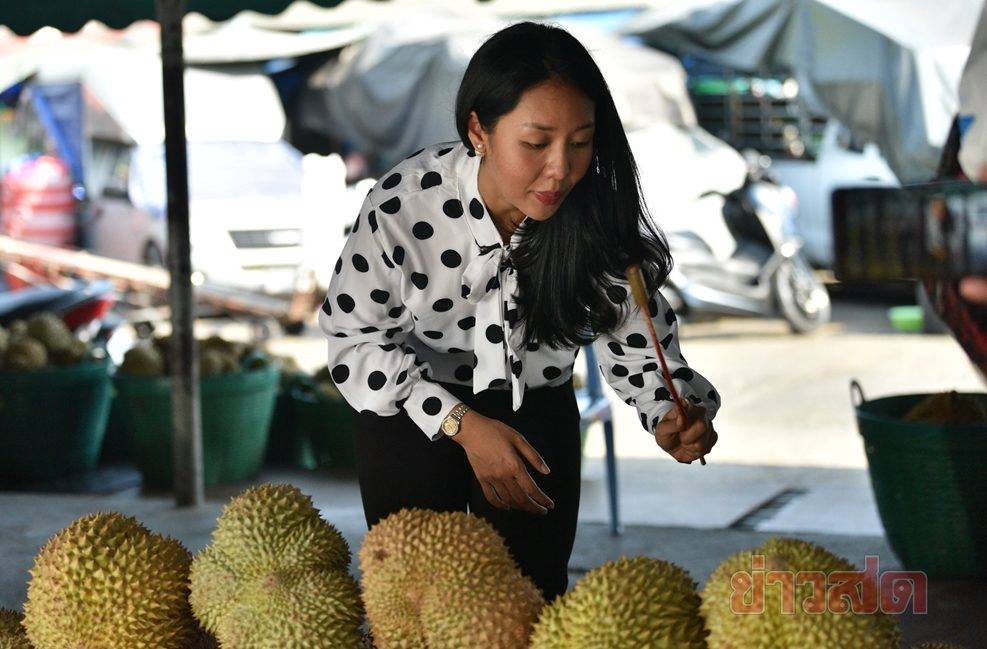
(548, 198)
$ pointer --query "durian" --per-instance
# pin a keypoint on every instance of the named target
(24, 354)
(219, 344)
(630, 602)
(212, 362)
(17, 329)
(255, 360)
(276, 575)
(444, 580)
(50, 331)
(949, 408)
(12, 634)
(76, 351)
(107, 581)
(775, 627)
(142, 360)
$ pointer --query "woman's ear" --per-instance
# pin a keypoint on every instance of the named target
(477, 135)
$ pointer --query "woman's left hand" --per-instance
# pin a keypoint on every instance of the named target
(686, 443)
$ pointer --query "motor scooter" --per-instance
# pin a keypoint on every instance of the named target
(765, 275)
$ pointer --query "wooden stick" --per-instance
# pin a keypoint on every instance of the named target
(641, 297)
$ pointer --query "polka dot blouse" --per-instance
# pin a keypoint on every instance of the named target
(424, 293)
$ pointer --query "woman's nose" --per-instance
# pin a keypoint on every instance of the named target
(558, 164)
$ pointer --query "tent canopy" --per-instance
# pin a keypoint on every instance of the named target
(71, 15)
(888, 69)
(395, 91)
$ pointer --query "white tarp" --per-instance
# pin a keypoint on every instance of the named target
(888, 69)
(124, 83)
(395, 92)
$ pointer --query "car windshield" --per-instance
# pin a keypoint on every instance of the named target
(220, 170)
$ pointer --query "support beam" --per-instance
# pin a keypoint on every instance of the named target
(186, 415)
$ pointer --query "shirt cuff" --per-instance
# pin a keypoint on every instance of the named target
(427, 405)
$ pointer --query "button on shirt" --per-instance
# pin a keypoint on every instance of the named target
(425, 292)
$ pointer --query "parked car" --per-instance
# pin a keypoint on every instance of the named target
(247, 214)
(247, 205)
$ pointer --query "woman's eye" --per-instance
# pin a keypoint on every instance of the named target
(581, 145)
(533, 145)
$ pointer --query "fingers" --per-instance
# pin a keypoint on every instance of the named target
(533, 491)
(691, 443)
(521, 500)
(492, 496)
(530, 454)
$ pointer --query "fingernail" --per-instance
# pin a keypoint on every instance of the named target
(544, 468)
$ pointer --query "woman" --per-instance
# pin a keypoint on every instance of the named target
(472, 275)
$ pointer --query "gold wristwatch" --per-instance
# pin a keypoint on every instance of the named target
(450, 425)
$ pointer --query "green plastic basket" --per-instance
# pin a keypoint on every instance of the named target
(286, 444)
(236, 416)
(116, 442)
(328, 424)
(52, 421)
(930, 486)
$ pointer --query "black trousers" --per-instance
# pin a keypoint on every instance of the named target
(399, 467)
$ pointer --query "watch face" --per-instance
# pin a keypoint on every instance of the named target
(449, 426)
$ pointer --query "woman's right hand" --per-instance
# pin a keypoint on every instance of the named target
(494, 450)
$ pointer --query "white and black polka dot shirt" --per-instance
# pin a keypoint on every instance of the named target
(424, 292)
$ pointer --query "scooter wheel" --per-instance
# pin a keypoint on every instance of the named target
(801, 298)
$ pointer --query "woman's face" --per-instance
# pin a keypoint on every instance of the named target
(536, 153)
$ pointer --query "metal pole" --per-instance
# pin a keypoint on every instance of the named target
(187, 440)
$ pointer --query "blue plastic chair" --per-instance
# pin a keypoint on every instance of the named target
(594, 406)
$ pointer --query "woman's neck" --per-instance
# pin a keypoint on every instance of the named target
(506, 217)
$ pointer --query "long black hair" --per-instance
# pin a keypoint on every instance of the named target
(567, 265)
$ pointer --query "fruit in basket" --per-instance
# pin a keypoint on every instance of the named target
(784, 621)
(107, 581)
(444, 579)
(142, 360)
(254, 359)
(287, 365)
(217, 356)
(212, 362)
(76, 352)
(17, 329)
(949, 408)
(50, 331)
(25, 354)
(227, 347)
(628, 602)
(12, 634)
(276, 574)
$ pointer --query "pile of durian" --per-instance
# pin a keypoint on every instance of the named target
(217, 356)
(276, 574)
(40, 342)
(949, 409)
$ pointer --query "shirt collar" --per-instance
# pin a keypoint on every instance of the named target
(477, 216)
(490, 283)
